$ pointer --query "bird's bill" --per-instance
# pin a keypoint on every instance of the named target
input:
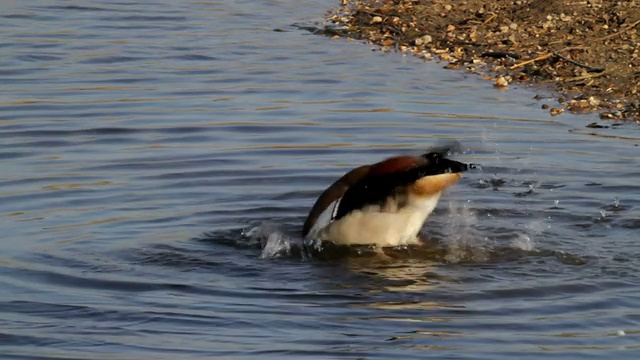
(430, 185)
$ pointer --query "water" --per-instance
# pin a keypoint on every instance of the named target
(159, 158)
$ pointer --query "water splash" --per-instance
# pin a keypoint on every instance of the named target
(603, 216)
(276, 245)
(526, 240)
(274, 242)
(461, 238)
(523, 242)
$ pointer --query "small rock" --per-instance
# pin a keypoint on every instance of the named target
(423, 40)
(447, 57)
(565, 18)
(594, 125)
(376, 19)
(521, 77)
(501, 82)
(556, 111)
(474, 36)
(611, 115)
(458, 52)
(388, 42)
(545, 106)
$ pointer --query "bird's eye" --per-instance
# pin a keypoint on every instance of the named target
(434, 157)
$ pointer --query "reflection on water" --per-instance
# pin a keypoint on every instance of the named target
(159, 159)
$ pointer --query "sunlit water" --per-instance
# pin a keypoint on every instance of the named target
(159, 158)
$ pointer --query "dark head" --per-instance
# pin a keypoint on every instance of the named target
(435, 163)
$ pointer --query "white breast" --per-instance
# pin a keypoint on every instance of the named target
(375, 226)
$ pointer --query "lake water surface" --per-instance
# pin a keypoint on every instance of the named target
(159, 158)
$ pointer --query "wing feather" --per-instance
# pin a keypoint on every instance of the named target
(333, 193)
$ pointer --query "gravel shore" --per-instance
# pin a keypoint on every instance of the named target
(585, 53)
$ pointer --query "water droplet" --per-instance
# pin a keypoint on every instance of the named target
(523, 242)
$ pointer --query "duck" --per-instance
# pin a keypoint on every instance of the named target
(384, 204)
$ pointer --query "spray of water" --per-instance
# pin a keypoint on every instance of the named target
(461, 237)
(273, 241)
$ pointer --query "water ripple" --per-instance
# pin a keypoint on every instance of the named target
(160, 157)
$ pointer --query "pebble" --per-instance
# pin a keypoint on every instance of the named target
(616, 114)
(423, 40)
(376, 19)
(501, 82)
(556, 111)
(458, 52)
(565, 18)
(621, 333)
(447, 57)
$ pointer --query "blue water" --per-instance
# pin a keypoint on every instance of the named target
(159, 158)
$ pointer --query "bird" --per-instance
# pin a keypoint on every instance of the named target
(384, 204)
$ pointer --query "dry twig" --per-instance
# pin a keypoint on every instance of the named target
(539, 58)
(588, 76)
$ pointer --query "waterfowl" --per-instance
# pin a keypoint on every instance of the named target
(383, 204)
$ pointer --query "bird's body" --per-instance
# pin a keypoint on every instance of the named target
(383, 204)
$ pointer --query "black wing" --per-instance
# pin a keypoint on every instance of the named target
(375, 189)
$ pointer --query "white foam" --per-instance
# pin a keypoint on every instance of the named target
(523, 242)
(276, 244)
(461, 238)
(526, 240)
(273, 241)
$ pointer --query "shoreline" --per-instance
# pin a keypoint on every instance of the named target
(585, 54)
